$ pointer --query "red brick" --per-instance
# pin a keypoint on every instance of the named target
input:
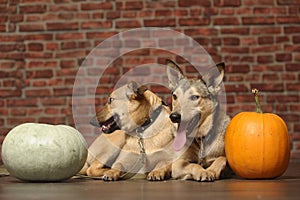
(283, 57)
(98, 24)
(293, 86)
(66, 72)
(128, 24)
(67, 64)
(19, 120)
(236, 88)
(194, 21)
(52, 120)
(238, 50)
(206, 12)
(62, 92)
(71, 54)
(113, 14)
(282, 39)
(229, 3)
(262, 10)
(266, 40)
(129, 14)
(63, 8)
(96, 6)
(31, 27)
(33, 9)
(8, 47)
(35, 47)
(231, 41)
(69, 36)
(266, 30)
(288, 20)
(268, 68)
(37, 93)
(168, 22)
(265, 59)
(28, 102)
(47, 73)
(65, 16)
(53, 101)
(201, 32)
(146, 13)
(5, 93)
(291, 48)
(258, 20)
(100, 35)
(288, 2)
(270, 77)
(292, 67)
(282, 98)
(227, 11)
(190, 3)
(261, 2)
(291, 29)
(38, 36)
(18, 112)
(296, 39)
(240, 68)
(238, 31)
(268, 87)
(16, 18)
(226, 21)
(163, 13)
(133, 5)
(68, 45)
(52, 111)
(60, 26)
(265, 49)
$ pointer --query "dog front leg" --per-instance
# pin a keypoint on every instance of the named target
(96, 169)
(217, 166)
(161, 172)
(114, 173)
(185, 170)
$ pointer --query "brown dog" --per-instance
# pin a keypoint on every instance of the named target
(202, 124)
(138, 136)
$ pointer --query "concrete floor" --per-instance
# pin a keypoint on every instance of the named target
(286, 187)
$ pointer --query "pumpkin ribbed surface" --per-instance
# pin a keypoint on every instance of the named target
(257, 145)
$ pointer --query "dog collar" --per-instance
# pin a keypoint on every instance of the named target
(149, 121)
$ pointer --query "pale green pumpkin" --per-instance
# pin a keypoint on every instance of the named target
(43, 152)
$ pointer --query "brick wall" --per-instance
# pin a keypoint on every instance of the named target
(43, 44)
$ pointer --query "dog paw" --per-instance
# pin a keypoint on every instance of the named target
(156, 176)
(111, 175)
(205, 176)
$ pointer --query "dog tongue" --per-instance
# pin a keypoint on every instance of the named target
(180, 138)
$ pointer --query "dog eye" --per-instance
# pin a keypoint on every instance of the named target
(194, 97)
(110, 100)
(174, 96)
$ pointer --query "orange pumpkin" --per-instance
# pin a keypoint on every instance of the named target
(257, 144)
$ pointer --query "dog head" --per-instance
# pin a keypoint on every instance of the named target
(126, 109)
(192, 100)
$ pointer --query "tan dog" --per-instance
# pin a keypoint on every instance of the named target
(202, 124)
(138, 136)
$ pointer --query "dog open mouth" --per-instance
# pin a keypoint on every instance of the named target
(107, 126)
(184, 130)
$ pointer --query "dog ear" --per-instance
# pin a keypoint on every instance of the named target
(214, 77)
(174, 73)
(135, 89)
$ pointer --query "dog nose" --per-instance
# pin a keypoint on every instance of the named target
(175, 117)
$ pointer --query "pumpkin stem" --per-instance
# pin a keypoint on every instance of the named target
(258, 107)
